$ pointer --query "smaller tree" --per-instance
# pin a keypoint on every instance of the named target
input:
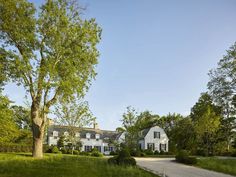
(73, 114)
(61, 142)
(129, 123)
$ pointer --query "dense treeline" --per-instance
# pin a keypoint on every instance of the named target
(210, 129)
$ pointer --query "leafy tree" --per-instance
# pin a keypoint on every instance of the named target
(146, 119)
(222, 88)
(183, 136)
(73, 115)
(51, 53)
(8, 128)
(206, 118)
(21, 116)
(61, 142)
(129, 123)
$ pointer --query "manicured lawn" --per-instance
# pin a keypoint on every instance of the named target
(227, 166)
(56, 165)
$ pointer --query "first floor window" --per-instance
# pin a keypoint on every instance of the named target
(106, 148)
(162, 147)
(110, 148)
(151, 146)
(87, 148)
(98, 148)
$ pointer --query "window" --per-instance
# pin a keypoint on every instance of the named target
(106, 148)
(54, 133)
(88, 135)
(66, 133)
(151, 146)
(98, 148)
(157, 135)
(77, 134)
(110, 148)
(97, 136)
(87, 148)
(162, 147)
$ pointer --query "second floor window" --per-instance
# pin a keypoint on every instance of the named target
(157, 135)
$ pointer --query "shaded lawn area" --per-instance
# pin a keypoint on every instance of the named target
(227, 166)
(58, 165)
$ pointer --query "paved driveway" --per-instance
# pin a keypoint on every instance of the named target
(172, 169)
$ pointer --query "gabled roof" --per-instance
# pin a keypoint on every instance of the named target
(112, 135)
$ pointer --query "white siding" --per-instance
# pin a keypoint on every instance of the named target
(149, 138)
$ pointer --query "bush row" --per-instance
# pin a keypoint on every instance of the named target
(54, 149)
(183, 157)
(15, 148)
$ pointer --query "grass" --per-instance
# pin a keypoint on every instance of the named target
(58, 165)
(227, 166)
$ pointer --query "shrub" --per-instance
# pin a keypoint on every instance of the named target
(142, 154)
(55, 150)
(63, 150)
(75, 152)
(113, 153)
(183, 157)
(123, 158)
(69, 151)
(84, 153)
(135, 153)
(156, 152)
(148, 152)
(96, 153)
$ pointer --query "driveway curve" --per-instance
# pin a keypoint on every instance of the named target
(170, 168)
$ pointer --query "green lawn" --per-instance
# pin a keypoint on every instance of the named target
(227, 166)
(56, 165)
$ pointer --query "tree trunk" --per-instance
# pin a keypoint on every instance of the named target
(38, 132)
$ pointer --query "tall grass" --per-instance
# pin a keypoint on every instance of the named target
(21, 165)
(227, 166)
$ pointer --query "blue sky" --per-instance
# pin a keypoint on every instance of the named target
(155, 55)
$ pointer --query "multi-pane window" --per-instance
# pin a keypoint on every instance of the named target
(97, 136)
(55, 133)
(87, 148)
(88, 135)
(157, 135)
(151, 146)
(162, 147)
(98, 148)
(106, 148)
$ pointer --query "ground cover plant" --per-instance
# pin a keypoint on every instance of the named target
(61, 165)
(227, 166)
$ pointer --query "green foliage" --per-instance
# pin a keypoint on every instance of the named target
(61, 142)
(183, 157)
(113, 153)
(8, 129)
(76, 152)
(222, 88)
(206, 118)
(96, 153)
(10, 147)
(123, 158)
(55, 150)
(64, 165)
(83, 153)
(21, 116)
(63, 150)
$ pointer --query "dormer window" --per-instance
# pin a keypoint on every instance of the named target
(77, 134)
(157, 135)
(88, 135)
(55, 133)
(66, 133)
(97, 136)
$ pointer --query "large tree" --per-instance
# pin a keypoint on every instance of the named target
(222, 88)
(52, 53)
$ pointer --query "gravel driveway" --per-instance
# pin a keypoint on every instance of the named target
(172, 169)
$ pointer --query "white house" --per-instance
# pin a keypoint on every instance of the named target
(89, 137)
(153, 138)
